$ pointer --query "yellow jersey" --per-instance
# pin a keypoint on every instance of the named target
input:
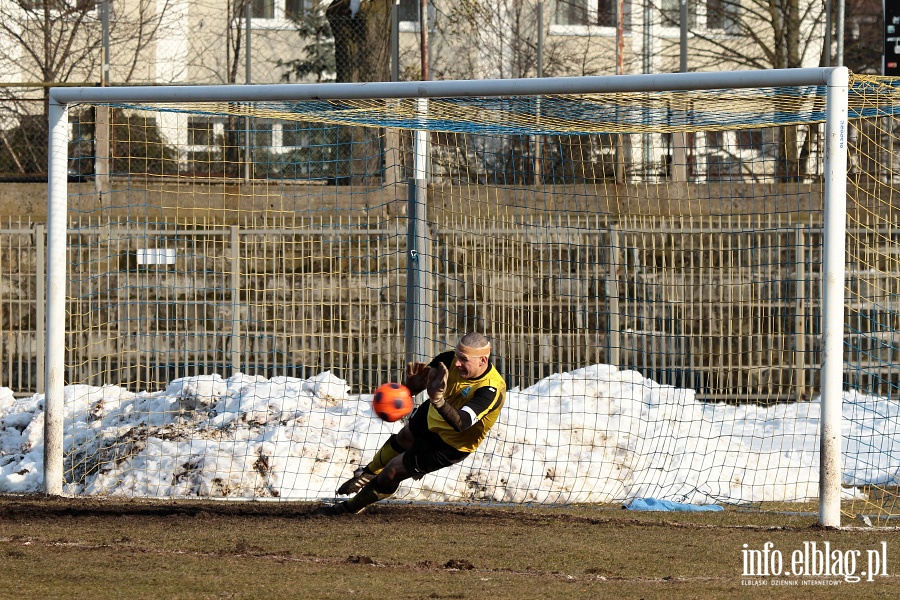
(481, 398)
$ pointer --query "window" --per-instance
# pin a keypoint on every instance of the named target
(743, 141)
(294, 135)
(279, 136)
(262, 9)
(715, 139)
(59, 6)
(750, 139)
(279, 9)
(572, 12)
(723, 14)
(601, 13)
(408, 14)
(294, 9)
(261, 135)
(670, 11)
(408, 10)
(202, 131)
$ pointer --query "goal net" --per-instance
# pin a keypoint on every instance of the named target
(650, 262)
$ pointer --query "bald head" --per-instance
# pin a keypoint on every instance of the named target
(475, 343)
(472, 355)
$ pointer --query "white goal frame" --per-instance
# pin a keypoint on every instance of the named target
(835, 205)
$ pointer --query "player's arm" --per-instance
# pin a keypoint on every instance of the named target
(459, 420)
(471, 411)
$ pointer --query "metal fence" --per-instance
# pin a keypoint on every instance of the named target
(729, 308)
(23, 133)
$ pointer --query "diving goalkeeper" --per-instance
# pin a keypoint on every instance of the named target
(465, 394)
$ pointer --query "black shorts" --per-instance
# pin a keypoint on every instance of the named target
(429, 452)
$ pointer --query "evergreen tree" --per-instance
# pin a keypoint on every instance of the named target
(318, 52)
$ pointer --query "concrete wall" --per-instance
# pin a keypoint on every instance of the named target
(188, 199)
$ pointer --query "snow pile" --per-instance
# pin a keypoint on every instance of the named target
(596, 434)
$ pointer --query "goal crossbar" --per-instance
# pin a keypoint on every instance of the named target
(447, 89)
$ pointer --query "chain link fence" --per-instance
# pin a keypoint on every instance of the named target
(23, 133)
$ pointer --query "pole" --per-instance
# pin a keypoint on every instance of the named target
(679, 171)
(395, 41)
(540, 39)
(709, 80)
(101, 113)
(537, 140)
(55, 340)
(828, 26)
(40, 268)
(611, 289)
(418, 287)
(417, 332)
(620, 66)
(647, 64)
(683, 55)
(620, 36)
(833, 298)
(236, 347)
(423, 38)
(647, 41)
(104, 23)
(800, 306)
(839, 34)
(248, 167)
(392, 169)
(420, 142)
(247, 29)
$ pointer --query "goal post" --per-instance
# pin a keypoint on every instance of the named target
(57, 215)
(579, 296)
(836, 127)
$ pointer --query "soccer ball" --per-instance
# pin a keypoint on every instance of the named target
(392, 402)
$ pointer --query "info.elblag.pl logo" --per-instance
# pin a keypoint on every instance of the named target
(816, 563)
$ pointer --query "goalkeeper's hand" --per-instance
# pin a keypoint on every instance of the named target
(437, 383)
(417, 375)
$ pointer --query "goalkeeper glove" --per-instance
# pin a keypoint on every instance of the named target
(437, 384)
(417, 375)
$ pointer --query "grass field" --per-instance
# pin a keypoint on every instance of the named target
(100, 548)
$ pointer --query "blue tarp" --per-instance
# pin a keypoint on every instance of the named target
(654, 504)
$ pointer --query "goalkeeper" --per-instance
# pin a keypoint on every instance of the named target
(465, 394)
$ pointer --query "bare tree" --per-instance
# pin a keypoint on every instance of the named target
(500, 39)
(235, 38)
(53, 42)
(756, 34)
(59, 41)
(361, 33)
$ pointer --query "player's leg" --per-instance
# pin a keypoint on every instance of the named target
(363, 475)
(394, 446)
(384, 485)
(378, 487)
(428, 454)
